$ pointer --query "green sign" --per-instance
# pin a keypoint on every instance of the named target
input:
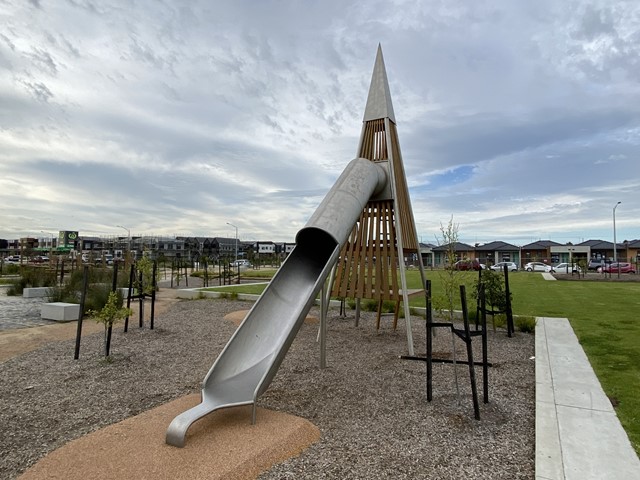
(67, 239)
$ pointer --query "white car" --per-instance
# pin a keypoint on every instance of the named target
(500, 266)
(567, 268)
(538, 267)
(240, 263)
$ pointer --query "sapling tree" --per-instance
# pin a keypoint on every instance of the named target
(494, 292)
(145, 267)
(111, 313)
(584, 266)
(445, 301)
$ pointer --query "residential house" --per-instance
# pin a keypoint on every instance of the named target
(461, 250)
(539, 251)
(495, 252)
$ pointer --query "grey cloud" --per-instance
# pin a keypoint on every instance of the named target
(250, 110)
(38, 90)
(44, 61)
(143, 52)
(595, 23)
(477, 138)
(8, 42)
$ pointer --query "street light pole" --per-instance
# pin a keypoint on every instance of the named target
(236, 240)
(615, 246)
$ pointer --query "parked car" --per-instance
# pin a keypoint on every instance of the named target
(538, 267)
(40, 259)
(240, 263)
(567, 268)
(622, 267)
(467, 265)
(595, 264)
(12, 259)
(500, 266)
(108, 259)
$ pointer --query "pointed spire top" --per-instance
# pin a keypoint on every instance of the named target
(379, 101)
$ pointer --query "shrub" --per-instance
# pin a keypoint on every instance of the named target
(499, 321)
(31, 277)
(369, 305)
(98, 296)
(99, 286)
(525, 324)
(494, 290)
(62, 294)
(229, 295)
(10, 269)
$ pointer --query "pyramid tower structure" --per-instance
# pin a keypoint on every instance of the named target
(371, 264)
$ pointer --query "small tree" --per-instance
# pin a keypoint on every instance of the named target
(583, 263)
(494, 292)
(445, 302)
(111, 313)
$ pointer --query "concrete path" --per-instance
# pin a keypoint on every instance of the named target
(578, 434)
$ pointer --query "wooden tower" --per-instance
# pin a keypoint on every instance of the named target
(371, 264)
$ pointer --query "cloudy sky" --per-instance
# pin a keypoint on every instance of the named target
(519, 119)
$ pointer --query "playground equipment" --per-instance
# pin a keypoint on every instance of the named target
(357, 237)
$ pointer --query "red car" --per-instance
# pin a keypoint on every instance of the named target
(467, 265)
(622, 267)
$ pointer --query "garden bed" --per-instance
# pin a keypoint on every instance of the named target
(369, 404)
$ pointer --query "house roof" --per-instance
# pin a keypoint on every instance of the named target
(541, 245)
(457, 246)
(497, 246)
(225, 241)
(598, 244)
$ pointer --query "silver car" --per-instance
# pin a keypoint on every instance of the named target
(500, 266)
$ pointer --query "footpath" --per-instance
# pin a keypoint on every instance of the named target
(578, 435)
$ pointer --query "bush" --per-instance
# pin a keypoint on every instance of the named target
(97, 297)
(525, 324)
(494, 290)
(31, 277)
(99, 286)
(229, 295)
(370, 305)
(10, 269)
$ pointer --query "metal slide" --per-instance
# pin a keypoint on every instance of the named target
(245, 367)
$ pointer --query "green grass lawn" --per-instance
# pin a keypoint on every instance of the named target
(604, 316)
